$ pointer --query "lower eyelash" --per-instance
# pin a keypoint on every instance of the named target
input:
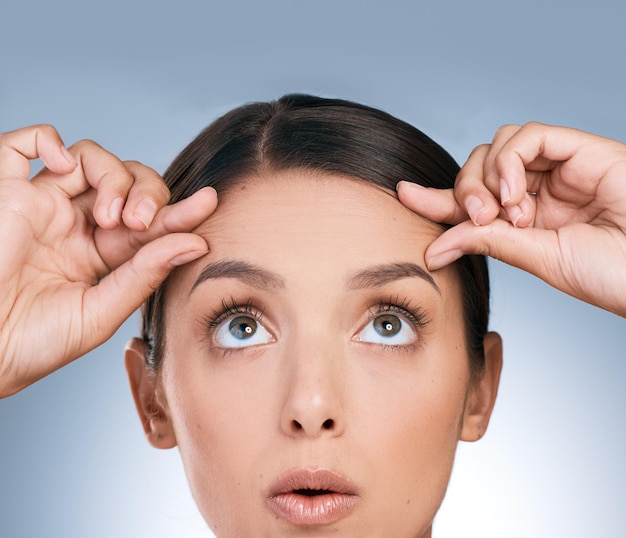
(406, 348)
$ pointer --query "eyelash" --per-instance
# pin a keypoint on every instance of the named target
(228, 309)
(232, 308)
(415, 315)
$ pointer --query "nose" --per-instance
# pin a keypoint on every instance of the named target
(313, 406)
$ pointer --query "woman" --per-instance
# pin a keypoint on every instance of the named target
(315, 375)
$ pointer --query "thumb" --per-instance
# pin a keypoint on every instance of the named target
(534, 250)
(119, 294)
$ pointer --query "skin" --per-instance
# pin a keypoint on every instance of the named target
(570, 231)
(85, 216)
(105, 218)
(317, 392)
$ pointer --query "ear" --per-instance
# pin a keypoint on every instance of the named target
(153, 413)
(483, 390)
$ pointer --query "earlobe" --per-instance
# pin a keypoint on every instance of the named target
(143, 384)
(483, 391)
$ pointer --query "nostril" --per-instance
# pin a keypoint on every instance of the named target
(328, 424)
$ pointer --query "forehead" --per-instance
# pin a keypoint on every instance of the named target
(314, 230)
(329, 215)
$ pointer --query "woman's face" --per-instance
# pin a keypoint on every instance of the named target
(315, 375)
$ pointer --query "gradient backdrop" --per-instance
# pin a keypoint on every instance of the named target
(142, 78)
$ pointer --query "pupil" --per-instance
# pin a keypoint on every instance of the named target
(387, 325)
(242, 327)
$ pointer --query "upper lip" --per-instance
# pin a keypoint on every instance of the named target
(312, 479)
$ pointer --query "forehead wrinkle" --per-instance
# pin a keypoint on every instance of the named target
(244, 271)
(379, 275)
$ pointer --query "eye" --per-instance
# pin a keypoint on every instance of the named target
(387, 329)
(241, 331)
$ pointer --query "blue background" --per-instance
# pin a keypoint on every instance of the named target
(142, 78)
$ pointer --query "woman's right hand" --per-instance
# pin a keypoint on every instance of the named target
(84, 243)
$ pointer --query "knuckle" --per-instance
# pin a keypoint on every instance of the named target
(507, 128)
(119, 178)
(156, 190)
(148, 180)
(162, 192)
(505, 132)
(86, 145)
(46, 129)
(501, 158)
(38, 130)
(460, 182)
(481, 150)
(487, 245)
(533, 125)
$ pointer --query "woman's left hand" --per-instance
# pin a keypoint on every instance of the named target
(549, 200)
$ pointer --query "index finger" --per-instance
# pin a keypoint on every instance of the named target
(18, 148)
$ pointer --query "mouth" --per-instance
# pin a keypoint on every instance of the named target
(312, 497)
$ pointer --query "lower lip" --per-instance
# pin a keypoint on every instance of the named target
(312, 510)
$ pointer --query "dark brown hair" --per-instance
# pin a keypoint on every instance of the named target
(327, 135)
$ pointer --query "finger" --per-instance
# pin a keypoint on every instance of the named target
(438, 205)
(534, 250)
(534, 149)
(117, 296)
(183, 216)
(104, 172)
(119, 245)
(492, 177)
(18, 148)
(513, 209)
(147, 196)
(522, 214)
(471, 190)
(101, 170)
(517, 205)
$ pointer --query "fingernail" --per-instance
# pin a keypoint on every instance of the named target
(115, 210)
(443, 259)
(187, 257)
(505, 192)
(209, 189)
(410, 185)
(475, 207)
(515, 213)
(67, 155)
(527, 206)
(145, 211)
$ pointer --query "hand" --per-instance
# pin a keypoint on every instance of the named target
(84, 243)
(549, 200)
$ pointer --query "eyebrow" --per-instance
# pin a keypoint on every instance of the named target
(379, 275)
(246, 272)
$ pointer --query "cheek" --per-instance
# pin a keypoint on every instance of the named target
(220, 421)
(402, 415)
(409, 438)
